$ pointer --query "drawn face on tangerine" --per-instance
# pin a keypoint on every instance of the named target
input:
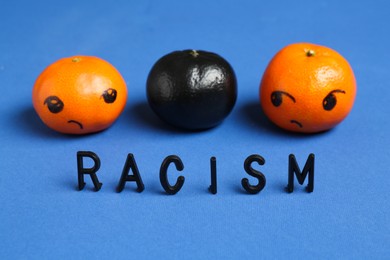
(304, 93)
(75, 98)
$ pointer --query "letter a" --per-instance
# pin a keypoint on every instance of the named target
(130, 164)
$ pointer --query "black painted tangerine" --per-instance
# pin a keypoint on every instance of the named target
(192, 89)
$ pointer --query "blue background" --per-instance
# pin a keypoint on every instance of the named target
(43, 216)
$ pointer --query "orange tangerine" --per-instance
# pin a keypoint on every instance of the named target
(79, 95)
(307, 88)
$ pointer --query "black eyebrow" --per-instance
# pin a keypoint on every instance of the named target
(337, 91)
(287, 94)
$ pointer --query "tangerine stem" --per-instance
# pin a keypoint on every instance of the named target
(194, 53)
(310, 53)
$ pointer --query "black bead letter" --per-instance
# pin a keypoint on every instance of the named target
(130, 164)
(301, 176)
(213, 167)
(163, 174)
(253, 189)
(91, 171)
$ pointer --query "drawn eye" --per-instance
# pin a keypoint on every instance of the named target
(277, 97)
(54, 104)
(109, 95)
(330, 100)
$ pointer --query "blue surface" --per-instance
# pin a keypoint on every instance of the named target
(43, 216)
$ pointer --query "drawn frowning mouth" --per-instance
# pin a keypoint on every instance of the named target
(296, 122)
(77, 123)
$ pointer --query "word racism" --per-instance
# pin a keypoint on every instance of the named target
(130, 164)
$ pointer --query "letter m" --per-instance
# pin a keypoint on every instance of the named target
(301, 176)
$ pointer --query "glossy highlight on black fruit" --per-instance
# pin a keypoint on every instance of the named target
(191, 89)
